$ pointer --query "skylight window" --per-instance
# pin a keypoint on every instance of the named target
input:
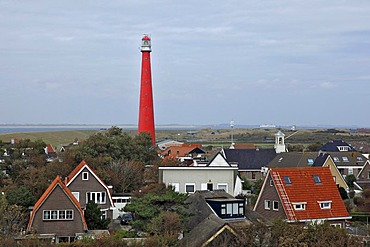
(280, 159)
(310, 161)
(287, 180)
(317, 179)
(359, 158)
(345, 159)
(336, 159)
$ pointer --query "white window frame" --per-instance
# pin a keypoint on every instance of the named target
(350, 171)
(175, 186)
(271, 182)
(85, 176)
(223, 184)
(345, 159)
(325, 204)
(298, 206)
(267, 204)
(67, 212)
(337, 225)
(273, 205)
(190, 184)
(95, 197)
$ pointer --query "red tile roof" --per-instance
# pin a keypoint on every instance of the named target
(75, 171)
(303, 189)
(49, 149)
(172, 152)
(57, 182)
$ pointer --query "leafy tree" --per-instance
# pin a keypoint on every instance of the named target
(343, 193)
(20, 196)
(93, 217)
(350, 179)
(12, 218)
(154, 202)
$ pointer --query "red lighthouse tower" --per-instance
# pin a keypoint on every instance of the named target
(146, 110)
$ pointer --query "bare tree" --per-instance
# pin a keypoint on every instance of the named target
(126, 176)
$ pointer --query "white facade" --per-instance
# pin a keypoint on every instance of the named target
(218, 174)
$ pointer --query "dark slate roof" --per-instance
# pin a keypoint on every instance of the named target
(332, 146)
(293, 159)
(250, 158)
(320, 160)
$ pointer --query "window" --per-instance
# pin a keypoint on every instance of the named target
(350, 171)
(271, 183)
(275, 205)
(54, 214)
(97, 197)
(299, 205)
(76, 195)
(345, 159)
(254, 175)
(310, 161)
(46, 215)
(267, 204)
(359, 158)
(368, 175)
(175, 186)
(336, 225)
(62, 215)
(189, 188)
(85, 176)
(287, 180)
(222, 186)
(336, 159)
(223, 208)
(103, 214)
(317, 179)
(57, 214)
(325, 204)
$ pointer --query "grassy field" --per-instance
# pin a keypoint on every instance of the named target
(220, 137)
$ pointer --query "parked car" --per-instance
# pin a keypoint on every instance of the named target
(126, 218)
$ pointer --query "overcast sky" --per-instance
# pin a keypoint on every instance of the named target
(288, 62)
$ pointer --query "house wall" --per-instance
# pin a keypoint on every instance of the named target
(57, 200)
(335, 172)
(269, 193)
(198, 175)
(90, 185)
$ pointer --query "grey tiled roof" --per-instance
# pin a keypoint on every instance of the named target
(250, 158)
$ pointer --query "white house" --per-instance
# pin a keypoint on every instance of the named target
(216, 174)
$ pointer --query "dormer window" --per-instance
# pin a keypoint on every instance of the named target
(317, 179)
(359, 158)
(343, 148)
(310, 161)
(345, 159)
(336, 159)
(299, 205)
(85, 176)
(324, 204)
